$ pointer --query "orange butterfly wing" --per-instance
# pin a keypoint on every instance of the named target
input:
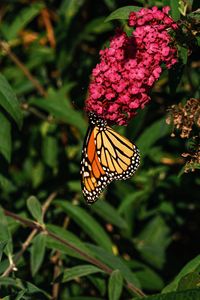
(93, 177)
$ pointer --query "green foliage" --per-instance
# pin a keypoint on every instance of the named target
(79, 271)
(9, 101)
(122, 13)
(37, 252)
(35, 208)
(115, 285)
(141, 236)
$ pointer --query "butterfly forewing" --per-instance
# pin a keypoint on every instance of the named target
(117, 155)
(93, 178)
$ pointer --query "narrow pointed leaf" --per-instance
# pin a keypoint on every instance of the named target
(79, 271)
(115, 285)
(37, 252)
(87, 223)
(114, 262)
(191, 266)
(5, 138)
(9, 101)
(35, 208)
(122, 13)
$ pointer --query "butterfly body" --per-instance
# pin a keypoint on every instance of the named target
(106, 156)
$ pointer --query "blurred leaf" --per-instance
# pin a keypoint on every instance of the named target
(69, 8)
(37, 252)
(35, 209)
(190, 267)
(84, 298)
(59, 106)
(37, 174)
(183, 56)
(5, 138)
(122, 13)
(189, 281)
(23, 285)
(96, 26)
(184, 295)
(110, 4)
(115, 285)
(99, 283)
(175, 13)
(132, 199)
(115, 262)
(50, 151)
(109, 213)
(152, 242)
(23, 17)
(149, 279)
(175, 76)
(151, 135)
(68, 236)
(79, 271)
(9, 102)
(87, 223)
(2, 247)
(20, 295)
(5, 234)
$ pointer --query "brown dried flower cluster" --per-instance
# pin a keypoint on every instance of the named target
(186, 119)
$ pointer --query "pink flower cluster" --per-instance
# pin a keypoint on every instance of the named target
(130, 66)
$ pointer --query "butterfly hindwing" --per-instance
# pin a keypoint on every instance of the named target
(93, 177)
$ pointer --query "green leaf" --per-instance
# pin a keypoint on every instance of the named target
(68, 236)
(151, 135)
(122, 13)
(84, 298)
(2, 247)
(8, 281)
(22, 18)
(115, 285)
(175, 13)
(87, 223)
(182, 55)
(109, 213)
(37, 252)
(150, 280)
(131, 200)
(20, 295)
(69, 8)
(5, 138)
(189, 281)
(35, 209)
(114, 262)
(184, 295)
(175, 76)
(99, 283)
(79, 271)
(5, 233)
(191, 266)
(22, 285)
(152, 242)
(57, 104)
(9, 101)
(50, 151)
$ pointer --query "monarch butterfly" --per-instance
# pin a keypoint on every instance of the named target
(106, 156)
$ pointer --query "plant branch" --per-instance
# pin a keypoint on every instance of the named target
(5, 46)
(27, 242)
(86, 256)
